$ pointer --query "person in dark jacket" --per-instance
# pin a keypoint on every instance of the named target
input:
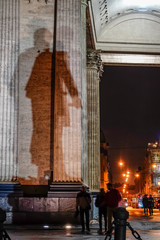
(83, 201)
(101, 203)
(145, 204)
(113, 197)
(150, 204)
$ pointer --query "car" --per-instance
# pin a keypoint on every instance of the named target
(123, 203)
(158, 204)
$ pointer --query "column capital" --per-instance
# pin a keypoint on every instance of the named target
(84, 2)
(94, 61)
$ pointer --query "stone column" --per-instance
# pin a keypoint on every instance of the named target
(94, 69)
(9, 42)
(70, 108)
(84, 147)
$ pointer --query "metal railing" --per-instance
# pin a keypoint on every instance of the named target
(3, 234)
(119, 226)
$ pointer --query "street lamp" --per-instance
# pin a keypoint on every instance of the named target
(121, 163)
(137, 175)
(154, 165)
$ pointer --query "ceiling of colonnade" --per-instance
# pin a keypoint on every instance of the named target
(126, 25)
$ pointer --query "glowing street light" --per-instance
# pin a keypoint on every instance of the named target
(137, 175)
(158, 183)
(121, 163)
(154, 165)
(123, 174)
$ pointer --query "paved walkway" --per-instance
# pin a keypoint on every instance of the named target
(36, 232)
(147, 227)
(72, 235)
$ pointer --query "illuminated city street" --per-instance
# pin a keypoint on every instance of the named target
(147, 227)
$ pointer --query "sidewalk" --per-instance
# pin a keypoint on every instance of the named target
(147, 227)
(39, 232)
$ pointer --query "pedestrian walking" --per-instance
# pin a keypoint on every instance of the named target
(150, 204)
(83, 201)
(101, 203)
(113, 197)
(145, 204)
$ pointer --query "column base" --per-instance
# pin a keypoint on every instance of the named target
(64, 190)
(10, 189)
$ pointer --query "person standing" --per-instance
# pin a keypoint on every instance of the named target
(83, 201)
(113, 197)
(101, 203)
(145, 204)
(150, 204)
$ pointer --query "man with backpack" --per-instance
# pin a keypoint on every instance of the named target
(83, 201)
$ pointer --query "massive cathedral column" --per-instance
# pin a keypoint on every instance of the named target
(70, 104)
(94, 69)
(9, 36)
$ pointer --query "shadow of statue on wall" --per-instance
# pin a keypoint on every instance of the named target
(64, 86)
(39, 91)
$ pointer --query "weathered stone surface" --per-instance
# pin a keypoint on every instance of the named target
(35, 71)
(26, 204)
(39, 210)
(67, 204)
(46, 204)
(9, 32)
(9, 204)
(3, 203)
(68, 92)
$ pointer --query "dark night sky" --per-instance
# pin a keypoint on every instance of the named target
(130, 113)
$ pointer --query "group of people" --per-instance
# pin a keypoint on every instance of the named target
(148, 204)
(106, 202)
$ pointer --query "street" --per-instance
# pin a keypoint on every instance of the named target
(148, 228)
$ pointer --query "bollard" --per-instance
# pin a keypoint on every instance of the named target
(120, 217)
(2, 219)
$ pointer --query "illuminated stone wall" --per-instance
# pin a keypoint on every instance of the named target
(35, 72)
(43, 91)
(52, 142)
(68, 90)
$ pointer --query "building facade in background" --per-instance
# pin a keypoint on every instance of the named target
(106, 175)
(152, 168)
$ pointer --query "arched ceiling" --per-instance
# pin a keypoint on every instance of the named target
(126, 25)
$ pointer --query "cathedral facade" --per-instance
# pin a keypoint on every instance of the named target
(52, 56)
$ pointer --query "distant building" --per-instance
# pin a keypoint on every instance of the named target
(152, 168)
(105, 165)
(140, 181)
